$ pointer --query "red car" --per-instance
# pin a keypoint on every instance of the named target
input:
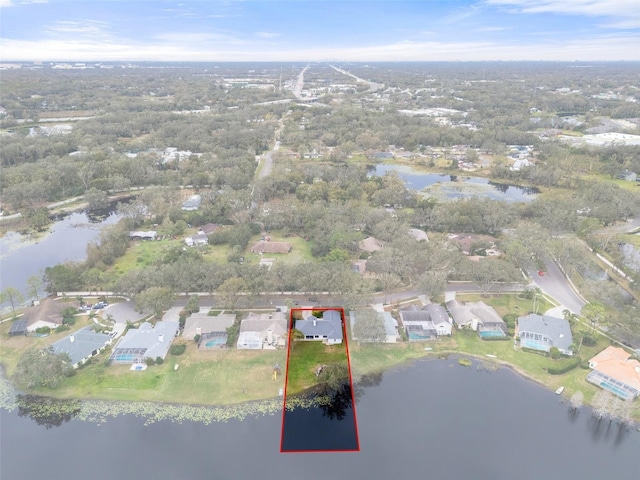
(541, 273)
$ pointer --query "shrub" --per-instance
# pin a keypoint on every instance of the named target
(533, 350)
(62, 328)
(149, 361)
(585, 364)
(510, 319)
(196, 338)
(555, 353)
(564, 367)
(43, 330)
(159, 360)
(589, 341)
(178, 349)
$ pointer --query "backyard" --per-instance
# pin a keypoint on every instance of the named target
(305, 357)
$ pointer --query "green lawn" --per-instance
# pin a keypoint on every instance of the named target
(219, 377)
(305, 357)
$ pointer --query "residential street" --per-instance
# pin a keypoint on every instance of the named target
(556, 285)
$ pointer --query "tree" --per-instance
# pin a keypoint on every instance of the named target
(13, 296)
(96, 199)
(193, 304)
(334, 375)
(156, 299)
(229, 292)
(595, 313)
(602, 403)
(576, 400)
(369, 326)
(555, 353)
(488, 273)
(35, 285)
(41, 368)
(432, 283)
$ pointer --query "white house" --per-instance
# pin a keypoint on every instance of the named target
(427, 323)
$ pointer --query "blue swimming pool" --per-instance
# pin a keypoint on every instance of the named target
(492, 334)
(415, 336)
(125, 357)
(215, 342)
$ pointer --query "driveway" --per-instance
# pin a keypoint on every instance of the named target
(123, 312)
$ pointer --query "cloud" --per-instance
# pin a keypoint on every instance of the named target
(267, 34)
(91, 28)
(492, 29)
(627, 12)
(203, 38)
(602, 48)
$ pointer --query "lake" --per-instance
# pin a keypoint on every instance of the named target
(22, 257)
(432, 419)
(451, 187)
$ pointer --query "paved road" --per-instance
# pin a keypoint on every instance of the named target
(556, 285)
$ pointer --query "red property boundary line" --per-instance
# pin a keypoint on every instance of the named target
(286, 381)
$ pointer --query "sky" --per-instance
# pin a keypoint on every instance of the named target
(328, 30)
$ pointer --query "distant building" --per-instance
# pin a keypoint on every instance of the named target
(271, 247)
(212, 329)
(541, 332)
(193, 203)
(615, 371)
(208, 229)
(371, 244)
(82, 345)
(47, 314)
(143, 235)
(627, 175)
(197, 240)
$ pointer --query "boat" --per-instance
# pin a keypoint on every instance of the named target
(490, 356)
(559, 390)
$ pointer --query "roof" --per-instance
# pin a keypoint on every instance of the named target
(467, 312)
(330, 325)
(276, 322)
(81, 344)
(143, 234)
(616, 363)
(19, 327)
(557, 329)
(208, 228)
(207, 324)
(437, 314)
(193, 202)
(49, 310)
(370, 244)
(148, 336)
(271, 247)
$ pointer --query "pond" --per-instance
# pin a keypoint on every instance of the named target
(452, 187)
(432, 419)
(21, 256)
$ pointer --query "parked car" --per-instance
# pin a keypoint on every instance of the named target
(541, 273)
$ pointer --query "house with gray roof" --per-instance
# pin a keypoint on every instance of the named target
(266, 331)
(196, 240)
(478, 316)
(82, 344)
(327, 329)
(211, 329)
(541, 332)
(192, 203)
(390, 324)
(426, 323)
(146, 341)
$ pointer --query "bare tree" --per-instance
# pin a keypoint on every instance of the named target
(576, 400)
(602, 405)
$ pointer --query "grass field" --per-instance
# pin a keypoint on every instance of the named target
(300, 250)
(305, 357)
(211, 377)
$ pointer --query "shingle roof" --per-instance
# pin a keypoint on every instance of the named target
(147, 336)
(207, 324)
(49, 310)
(437, 314)
(557, 329)
(276, 322)
(85, 341)
(330, 325)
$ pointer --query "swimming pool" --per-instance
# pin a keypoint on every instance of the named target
(492, 334)
(215, 342)
(416, 336)
(618, 391)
